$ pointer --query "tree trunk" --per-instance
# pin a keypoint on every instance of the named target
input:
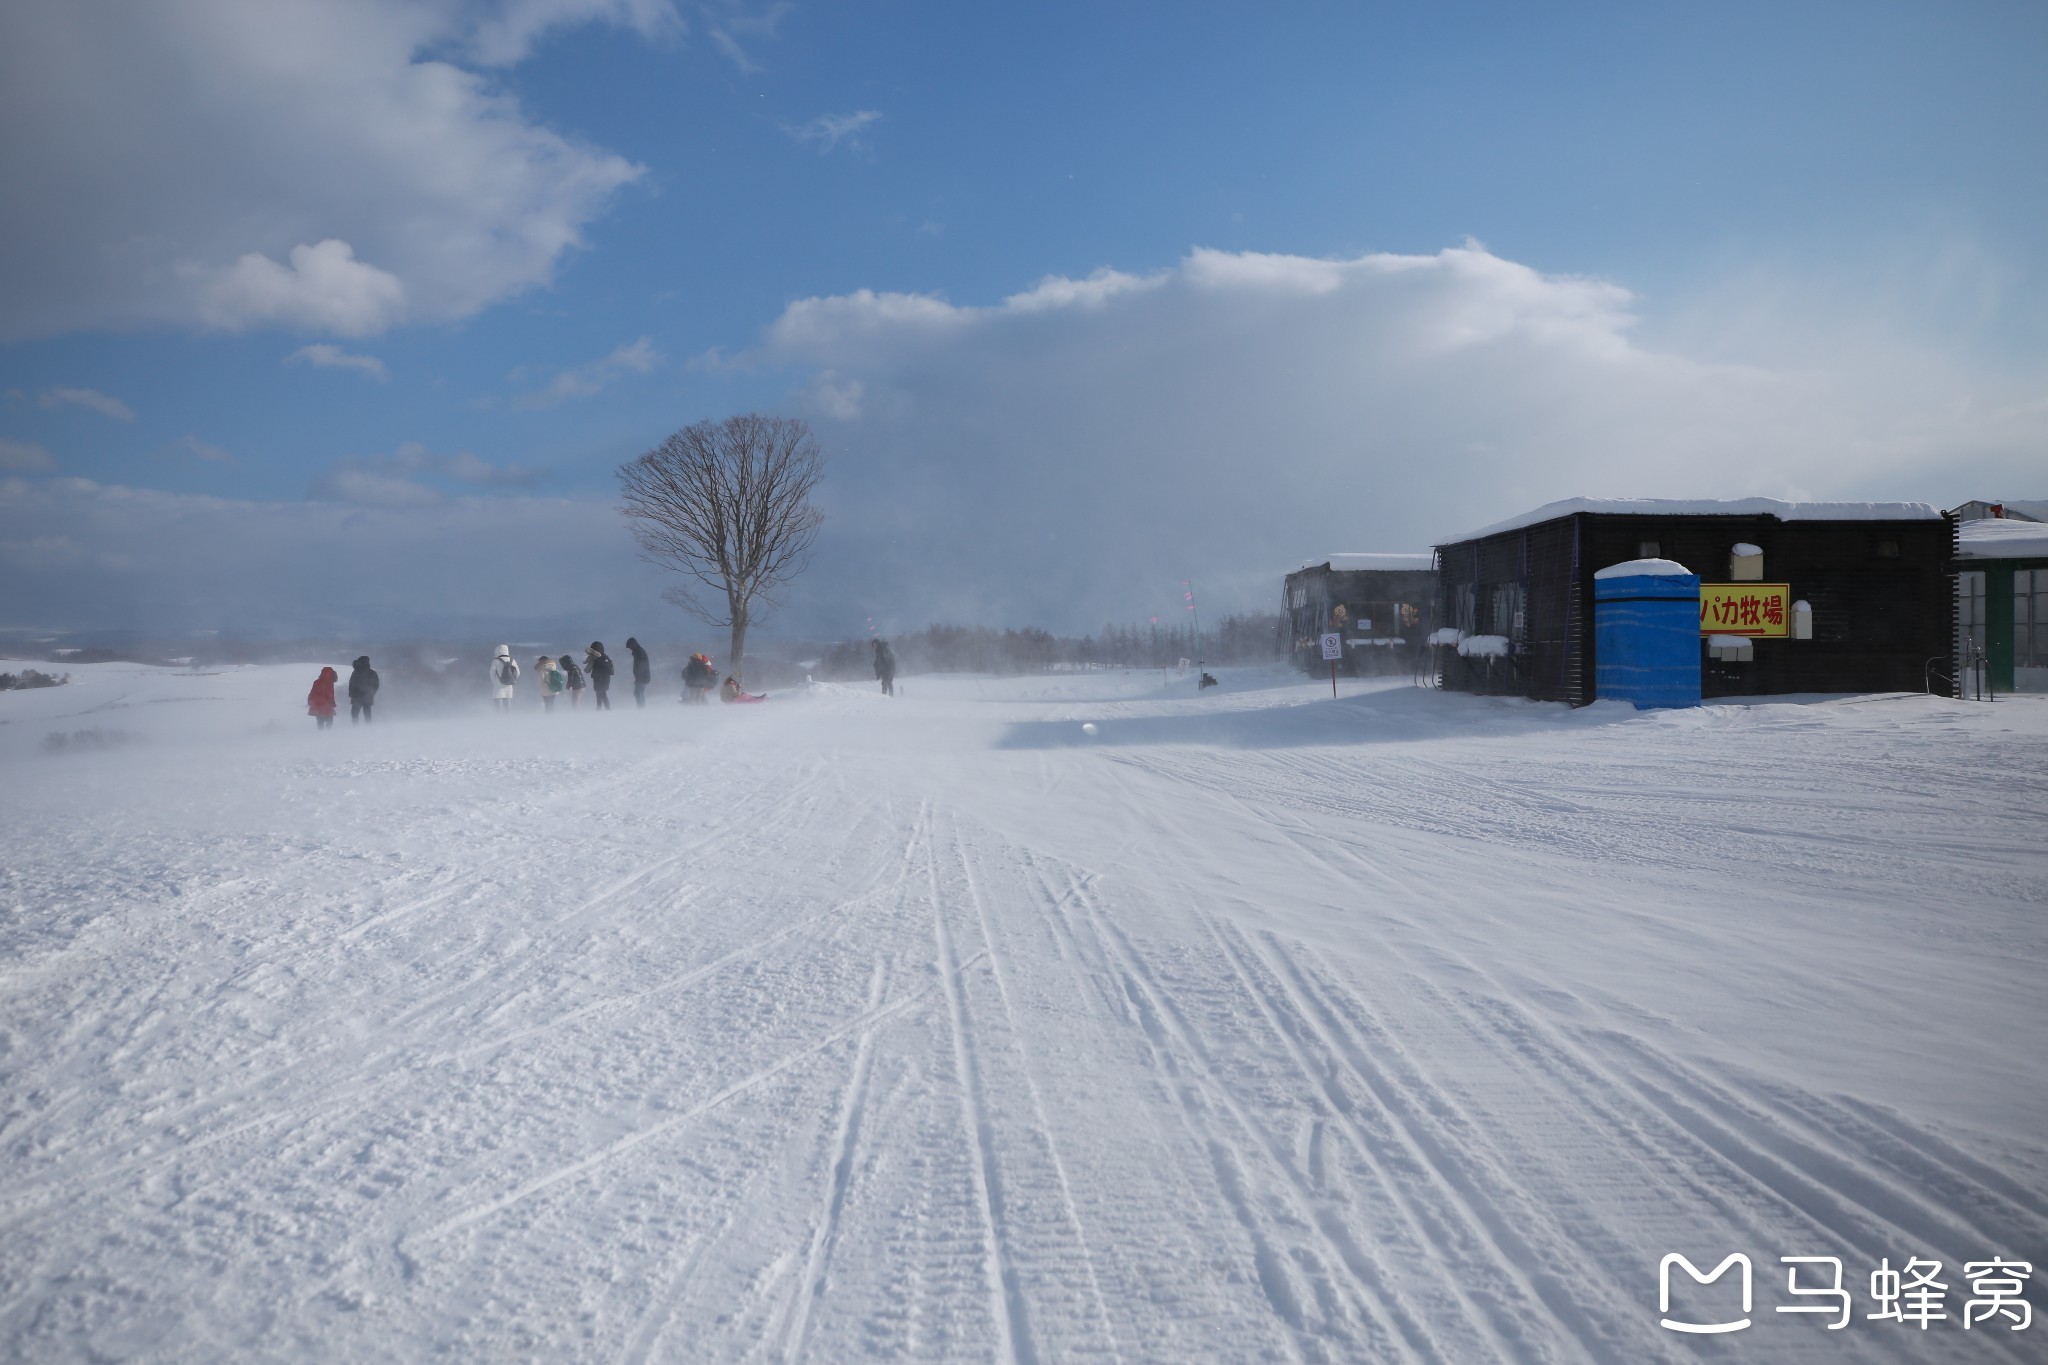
(737, 653)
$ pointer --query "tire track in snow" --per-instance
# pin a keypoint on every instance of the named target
(825, 1229)
(1198, 1090)
(1450, 1230)
(1013, 1334)
(1453, 1147)
(1074, 1233)
(1718, 1169)
(571, 1170)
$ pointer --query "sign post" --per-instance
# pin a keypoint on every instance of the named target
(1333, 650)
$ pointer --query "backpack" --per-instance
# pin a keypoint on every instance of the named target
(555, 680)
(508, 672)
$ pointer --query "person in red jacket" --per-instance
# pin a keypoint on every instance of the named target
(320, 701)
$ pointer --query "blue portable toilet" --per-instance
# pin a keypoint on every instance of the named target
(1646, 633)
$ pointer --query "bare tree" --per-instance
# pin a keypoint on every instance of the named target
(728, 506)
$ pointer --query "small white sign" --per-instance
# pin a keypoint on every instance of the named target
(1333, 647)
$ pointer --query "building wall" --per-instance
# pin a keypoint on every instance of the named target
(1310, 593)
(1882, 601)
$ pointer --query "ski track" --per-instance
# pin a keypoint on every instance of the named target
(844, 1031)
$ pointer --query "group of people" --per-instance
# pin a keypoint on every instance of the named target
(362, 694)
(553, 675)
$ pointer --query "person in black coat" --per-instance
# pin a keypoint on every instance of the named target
(699, 677)
(598, 665)
(362, 691)
(573, 677)
(885, 667)
(643, 672)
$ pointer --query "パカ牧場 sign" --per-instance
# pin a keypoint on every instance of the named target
(1760, 609)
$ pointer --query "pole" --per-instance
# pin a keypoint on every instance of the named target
(1333, 680)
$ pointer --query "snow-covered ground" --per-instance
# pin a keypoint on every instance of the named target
(1409, 1026)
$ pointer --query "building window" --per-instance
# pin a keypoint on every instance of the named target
(1887, 549)
(2030, 618)
(1650, 549)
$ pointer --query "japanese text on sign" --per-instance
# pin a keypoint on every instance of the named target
(1333, 647)
(1745, 609)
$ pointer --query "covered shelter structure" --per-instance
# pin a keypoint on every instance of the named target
(1382, 606)
(2002, 601)
(1794, 596)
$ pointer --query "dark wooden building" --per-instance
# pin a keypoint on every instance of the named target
(1387, 604)
(1866, 583)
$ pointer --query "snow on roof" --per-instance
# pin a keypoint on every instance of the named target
(1712, 507)
(1643, 568)
(1350, 560)
(2002, 538)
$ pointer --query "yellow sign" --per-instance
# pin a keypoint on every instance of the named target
(1761, 609)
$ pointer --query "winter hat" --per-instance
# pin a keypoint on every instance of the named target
(504, 651)
(363, 661)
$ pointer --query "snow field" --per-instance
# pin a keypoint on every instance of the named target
(1254, 1026)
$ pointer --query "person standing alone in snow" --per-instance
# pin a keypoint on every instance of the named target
(320, 701)
(362, 691)
(885, 667)
(573, 677)
(504, 677)
(643, 672)
(598, 665)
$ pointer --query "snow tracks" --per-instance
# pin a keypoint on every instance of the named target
(912, 1048)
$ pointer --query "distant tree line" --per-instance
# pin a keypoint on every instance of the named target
(1255, 637)
(29, 677)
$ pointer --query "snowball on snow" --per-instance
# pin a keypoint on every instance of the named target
(1642, 568)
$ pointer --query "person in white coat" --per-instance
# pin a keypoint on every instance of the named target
(504, 678)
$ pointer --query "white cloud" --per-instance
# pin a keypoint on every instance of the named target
(401, 479)
(827, 131)
(732, 24)
(324, 289)
(23, 456)
(305, 164)
(202, 450)
(326, 355)
(104, 404)
(508, 36)
(826, 394)
(581, 381)
(1074, 450)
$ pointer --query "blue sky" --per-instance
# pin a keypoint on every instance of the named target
(1621, 249)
